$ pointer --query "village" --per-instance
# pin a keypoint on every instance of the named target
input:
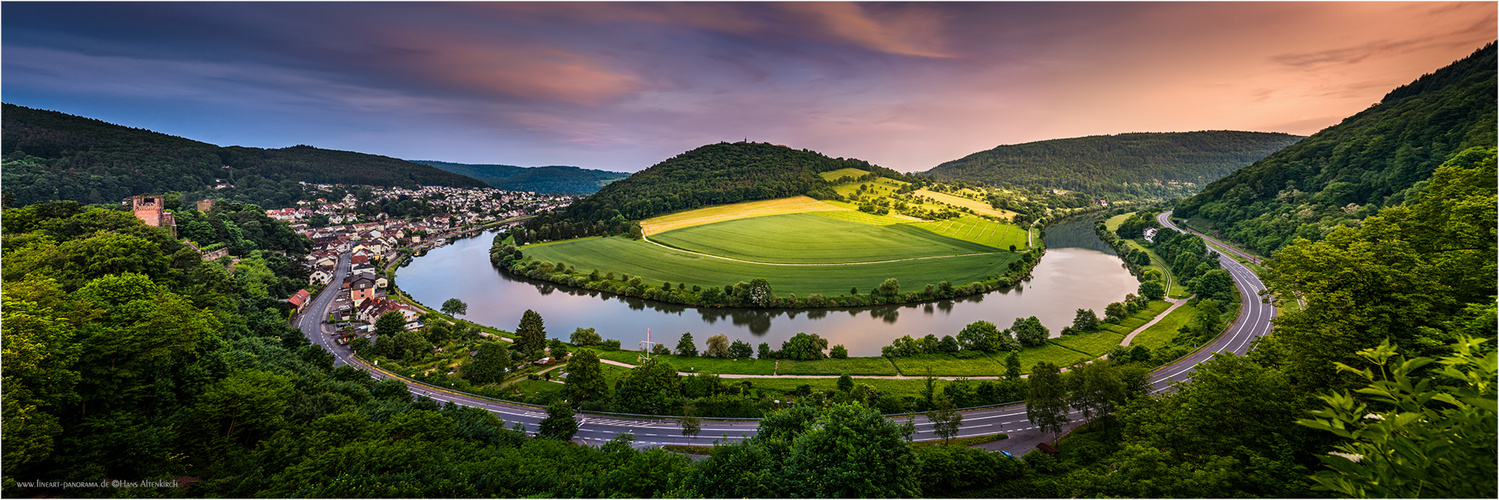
(372, 243)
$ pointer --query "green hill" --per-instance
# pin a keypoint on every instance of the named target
(716, 174)
(1346, 172)
(550, 179)
(1138, 164)
(55, 156)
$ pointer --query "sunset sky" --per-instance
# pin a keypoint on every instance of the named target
(619, 86)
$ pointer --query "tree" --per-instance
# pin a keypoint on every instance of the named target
(585, 337)
(1115, 312)
(454, 307)
(1086, 320)
(1012, 366)
(1152, 289)
(1030, 332)
(559, 423)
(976, 336)
(718, 346)
(838, 352)
(1046, 400)
(490, 364)
(804, 346)
(948, 344)
(1417, 438)
(945, 420)
(740, 350)
(585, 376)
(1216, 284)
(685, 346)
(557, 349)
(531, 334)
(246, 402)
(888, 288)
(845, 383)
(691, 425)
(850, 451)
(765, 351)
(651, 388)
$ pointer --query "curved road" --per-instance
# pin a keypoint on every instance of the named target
(1253, 321)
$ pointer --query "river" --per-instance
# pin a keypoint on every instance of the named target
(1078, 271)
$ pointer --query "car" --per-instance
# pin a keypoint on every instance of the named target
(1006, 453)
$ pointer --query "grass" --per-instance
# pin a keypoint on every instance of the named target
(978, 207)
(656, 264)
(807, 238)
(698, 364)
(863, 217)
(945, 365)
(1161, 333)
(1095, 344)
(720, 213)
(843, 172)
(978, 230)
(1057, 355)
(1114, 222)
(851, 366)
(897, 387)
(964, 441)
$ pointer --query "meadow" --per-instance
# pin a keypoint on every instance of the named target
(656, 264)
(810, 239)
(1161, 333)
(978, 207)
(977, 230)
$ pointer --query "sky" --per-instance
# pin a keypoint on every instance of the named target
(623, 86)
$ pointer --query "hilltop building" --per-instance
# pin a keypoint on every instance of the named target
(148, 209)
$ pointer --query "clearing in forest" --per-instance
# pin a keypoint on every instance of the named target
(834, 175)
(721, 213)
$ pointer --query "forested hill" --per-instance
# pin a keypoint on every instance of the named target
(54, 156)
(550, 179)
(1346, 172)
(715, 174)
(1138, 164)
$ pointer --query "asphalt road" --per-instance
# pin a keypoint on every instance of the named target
(1253, 321)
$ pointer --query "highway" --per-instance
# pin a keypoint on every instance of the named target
(1253, 321)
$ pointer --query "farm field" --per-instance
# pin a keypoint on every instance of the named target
(865, 217)
(656, 264)
(978, 207)
(806, 238)
(946, 365)
(1114, 222)
(982, 231)
(720, 213)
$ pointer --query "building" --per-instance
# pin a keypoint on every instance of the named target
(148, 208)
(300, 299)
(1150, 234)
(361, 287)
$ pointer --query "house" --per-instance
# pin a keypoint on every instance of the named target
(1150, 234)
(320, 275)
(361, 287)
(300, 299)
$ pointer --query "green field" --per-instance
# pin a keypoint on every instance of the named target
(1114, 222)
(834, 367)
(843, 172)
(697, 364)
(1095, 344)
(808, 238)
(656, 264)
(977, 230)
(1163, 331)
(946, 365)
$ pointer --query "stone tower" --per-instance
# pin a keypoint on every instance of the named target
(148, 209)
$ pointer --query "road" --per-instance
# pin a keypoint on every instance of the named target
(1253, 321)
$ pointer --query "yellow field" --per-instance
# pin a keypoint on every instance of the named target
(1114, 222)
(842, 172)
(709, 215)
(978, 207)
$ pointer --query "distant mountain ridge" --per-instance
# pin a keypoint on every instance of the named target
(555, 179)
(1136, 164)
(1379, 157)
(55, 156)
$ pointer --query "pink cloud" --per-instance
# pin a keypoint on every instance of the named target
(909, 31)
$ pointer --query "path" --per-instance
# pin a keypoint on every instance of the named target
(1175, 303)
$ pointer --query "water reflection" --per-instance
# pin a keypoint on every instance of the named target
(1078, 271)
